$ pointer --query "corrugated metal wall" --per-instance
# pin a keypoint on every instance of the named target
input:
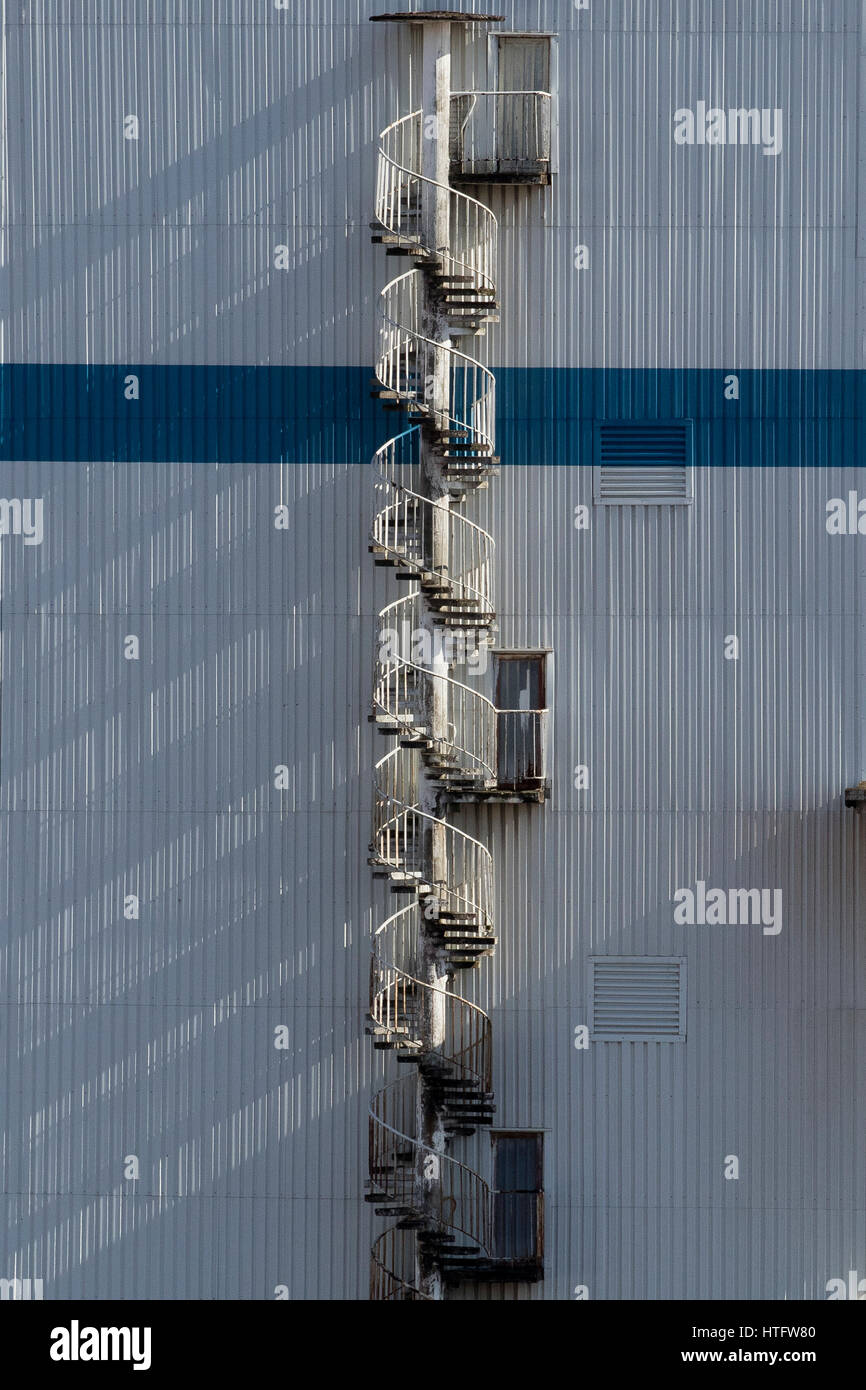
(155, 1036)
(697, 256)
(700, 768)
(257, 130)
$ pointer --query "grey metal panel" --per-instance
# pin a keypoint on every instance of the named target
(698, 257)
(700, 769)
(258, 130)
(155, 1036)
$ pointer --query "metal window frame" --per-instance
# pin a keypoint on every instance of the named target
(545, 656)
(638, 499)
(640, 1037)
(538, 1135)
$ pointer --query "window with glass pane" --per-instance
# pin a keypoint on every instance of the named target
(517, 1211)
(520, 701)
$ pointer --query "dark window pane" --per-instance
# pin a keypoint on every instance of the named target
(517, 1184)
(514, 1225)
(516, 1167)
(519, 688)
(519, 682)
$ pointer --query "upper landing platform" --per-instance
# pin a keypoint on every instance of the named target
(437, 17)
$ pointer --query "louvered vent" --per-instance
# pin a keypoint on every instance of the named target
(643, 462)
(638, 998)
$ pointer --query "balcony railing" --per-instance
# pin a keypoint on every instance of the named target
(501, 136)
(518, 1228)
(521, 749)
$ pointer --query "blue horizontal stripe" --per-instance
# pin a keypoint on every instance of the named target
(326, 414)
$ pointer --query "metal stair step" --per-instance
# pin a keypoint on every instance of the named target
(468, 285)
(463, 1103)
(436, 1239)
(456, 602)
(458, 1088)
(405, 243)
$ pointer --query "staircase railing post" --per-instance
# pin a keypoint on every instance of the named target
(435, 205)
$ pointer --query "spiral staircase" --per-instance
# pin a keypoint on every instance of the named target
(442, 731)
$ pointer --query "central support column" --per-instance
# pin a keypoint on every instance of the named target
(435, 202)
